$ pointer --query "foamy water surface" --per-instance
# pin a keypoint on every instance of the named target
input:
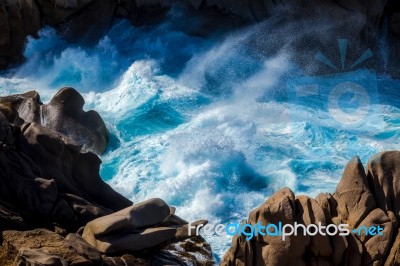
(205, 123)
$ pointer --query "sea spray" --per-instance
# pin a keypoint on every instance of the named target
(207, 124)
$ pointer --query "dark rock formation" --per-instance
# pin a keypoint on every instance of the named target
(50, 189)
(139, 227)
(43, 247)
(362, 198)
(17, 20)
(46, 248)
(85, 21)
(63, 114)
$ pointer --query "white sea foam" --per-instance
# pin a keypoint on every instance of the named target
(211, 129)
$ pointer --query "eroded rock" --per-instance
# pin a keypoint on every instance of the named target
(44, 247)
(63, 114)
(141, 226)
(362, 200)
(50, 189)
(352, 194)
(384, 174)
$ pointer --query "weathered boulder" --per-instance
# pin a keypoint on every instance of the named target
(21, 108)
(63, 114)
(384, 174)
(361, 200)
(352, 195)
(269, 250)
(139, 227)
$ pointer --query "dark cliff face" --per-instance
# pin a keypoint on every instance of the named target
(306, 25)
(50, 189)
(45, 169)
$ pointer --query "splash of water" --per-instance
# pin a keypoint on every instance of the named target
(206, 123)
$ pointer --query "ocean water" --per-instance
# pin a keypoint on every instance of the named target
(209, 125)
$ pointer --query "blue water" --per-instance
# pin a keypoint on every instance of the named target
(209, 125)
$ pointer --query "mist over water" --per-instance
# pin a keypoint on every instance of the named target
(210, 124)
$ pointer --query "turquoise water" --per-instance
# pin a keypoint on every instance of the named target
(209, 125)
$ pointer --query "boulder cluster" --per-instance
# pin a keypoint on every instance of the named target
(367, 198)
(54, 207)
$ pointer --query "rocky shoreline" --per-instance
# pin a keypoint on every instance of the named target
(367, 198)
(51, 193)
(56, 210)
